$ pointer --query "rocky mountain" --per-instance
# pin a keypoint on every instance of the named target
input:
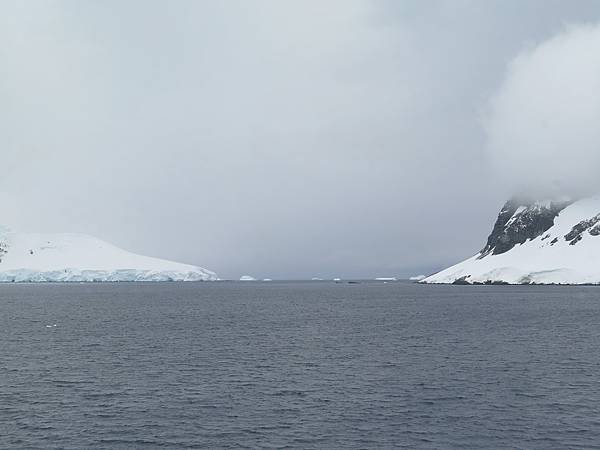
(521, 220)
(38, 257)
(536, 242)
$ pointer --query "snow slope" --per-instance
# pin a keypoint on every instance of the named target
(566, 253)
(417, 278)
(35, 257)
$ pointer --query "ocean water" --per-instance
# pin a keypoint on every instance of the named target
(299, 365)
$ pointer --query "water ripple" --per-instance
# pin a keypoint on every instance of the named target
(299, 365)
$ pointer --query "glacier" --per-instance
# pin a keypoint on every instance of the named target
(536, 243)
(71, 257)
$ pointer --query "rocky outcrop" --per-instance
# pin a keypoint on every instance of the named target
(521, 220)
(590, 225)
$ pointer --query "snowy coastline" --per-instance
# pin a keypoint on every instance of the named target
(39, 257)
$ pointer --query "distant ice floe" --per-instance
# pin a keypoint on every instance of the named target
(247, 278)
(386, 279)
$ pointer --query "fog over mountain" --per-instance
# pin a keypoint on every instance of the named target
(542, 122)
(292, 139)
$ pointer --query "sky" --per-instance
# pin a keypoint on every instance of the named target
(295, 139)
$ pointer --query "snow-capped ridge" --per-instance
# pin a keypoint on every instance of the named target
(546, 242)
(520, 220)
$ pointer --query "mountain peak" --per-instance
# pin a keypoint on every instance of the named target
(519, 220)
(533, 241)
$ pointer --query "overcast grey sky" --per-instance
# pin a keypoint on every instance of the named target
(275, 138)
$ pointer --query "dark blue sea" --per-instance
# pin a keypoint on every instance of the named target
(299, 365)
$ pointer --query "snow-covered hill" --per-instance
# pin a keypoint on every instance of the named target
(34, 257)
(552, 242)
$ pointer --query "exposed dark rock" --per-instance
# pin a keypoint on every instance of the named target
(554, 241)
(461, 280)
(590, 225)
(521, 220)
(595, 231)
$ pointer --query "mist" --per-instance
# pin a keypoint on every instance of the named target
(290, 139)
(542, 125)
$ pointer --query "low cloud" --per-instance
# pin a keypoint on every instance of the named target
(542, 125)
(281, 139)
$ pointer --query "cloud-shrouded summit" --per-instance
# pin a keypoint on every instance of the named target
(543, 139)
(543, 121)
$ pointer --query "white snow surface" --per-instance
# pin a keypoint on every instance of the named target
(538, 260)
(37, 257)
(417, 278)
